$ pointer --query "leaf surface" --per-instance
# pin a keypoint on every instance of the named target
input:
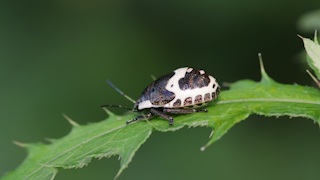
(103, 139)
(113, 137)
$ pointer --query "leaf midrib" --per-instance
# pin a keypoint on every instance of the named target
(268, 100)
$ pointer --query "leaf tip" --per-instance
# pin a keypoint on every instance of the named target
(73, 123)
(264, 75)
(153, 77)
(20, 144)
(211, 134)
(118, 174)
(50, 140)
(108, 111)
(313, 78)
(205, 146)
(300, 36)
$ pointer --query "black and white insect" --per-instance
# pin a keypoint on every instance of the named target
(182, 91)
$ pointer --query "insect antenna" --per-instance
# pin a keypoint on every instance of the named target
(119, 91)
(118, 106)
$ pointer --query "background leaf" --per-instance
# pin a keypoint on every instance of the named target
(309, 21)
(313, 51)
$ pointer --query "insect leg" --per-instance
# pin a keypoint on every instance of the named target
(149, 115)
(183, 111)
(159, 113)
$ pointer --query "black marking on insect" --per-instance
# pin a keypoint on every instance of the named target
(182, 91)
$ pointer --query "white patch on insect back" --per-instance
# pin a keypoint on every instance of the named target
(174, 80)
(173, 86)
(188, 70)
(145, 104)
(184, 94)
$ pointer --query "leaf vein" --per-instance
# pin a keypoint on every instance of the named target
(90, 139)
(267, 99)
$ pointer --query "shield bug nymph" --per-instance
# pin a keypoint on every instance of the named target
(182, 91)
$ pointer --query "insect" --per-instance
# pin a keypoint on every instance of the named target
(183, 91)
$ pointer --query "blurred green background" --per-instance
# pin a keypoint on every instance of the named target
(56, 55)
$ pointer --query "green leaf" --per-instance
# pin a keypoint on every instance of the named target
(313, 51)
(316, 38)
(309, 21)
(113, 137)
(103, 139)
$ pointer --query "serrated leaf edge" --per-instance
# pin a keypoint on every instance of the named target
(88, 140)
